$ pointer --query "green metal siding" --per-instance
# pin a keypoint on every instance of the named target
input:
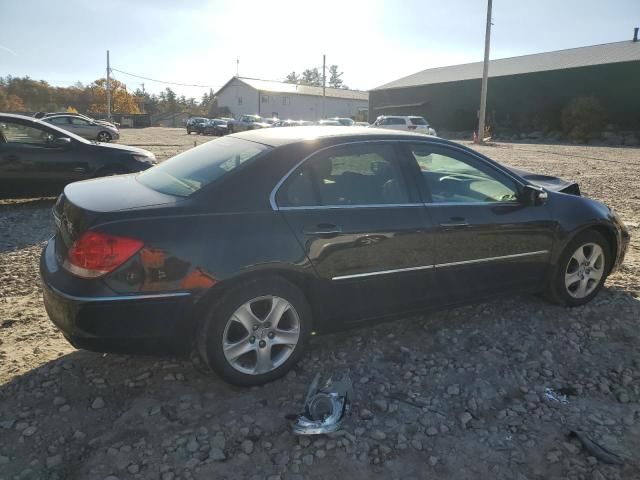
(526, 101)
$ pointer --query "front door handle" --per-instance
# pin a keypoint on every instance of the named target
(323, 230)
(455, 222)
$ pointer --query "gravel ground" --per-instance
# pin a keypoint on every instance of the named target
(460, 394)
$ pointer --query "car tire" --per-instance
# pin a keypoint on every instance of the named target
(103, 136)
(222, 327)
(574, 283)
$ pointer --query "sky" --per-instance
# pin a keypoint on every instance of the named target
(373, 42)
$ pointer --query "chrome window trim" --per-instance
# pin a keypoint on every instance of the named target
(440, 265)
(336, 207)
(432, 141)
(124, 297)
(382, 272)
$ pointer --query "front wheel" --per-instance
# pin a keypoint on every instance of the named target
(582, 270)
(256, 332)
(104, 137)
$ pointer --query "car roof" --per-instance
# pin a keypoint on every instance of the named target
(276, 137)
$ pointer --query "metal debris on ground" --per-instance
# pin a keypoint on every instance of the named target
(601, 453)
(551, 394)
(325, 407)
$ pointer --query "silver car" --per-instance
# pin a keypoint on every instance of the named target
(85, 128)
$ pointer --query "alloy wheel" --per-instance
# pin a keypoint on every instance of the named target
(104, 137)
(584, 270)
(261, 335)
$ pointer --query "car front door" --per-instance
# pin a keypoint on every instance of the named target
(363, 229)
(32, 161)
(84, 128)
(488, 241)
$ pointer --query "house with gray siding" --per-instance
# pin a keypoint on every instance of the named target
(248, 96)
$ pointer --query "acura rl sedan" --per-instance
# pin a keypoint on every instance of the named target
(244, 246)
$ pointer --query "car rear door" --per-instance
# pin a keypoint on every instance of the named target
(487, 242)
(363, 229)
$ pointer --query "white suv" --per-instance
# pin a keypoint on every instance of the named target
(414, 124)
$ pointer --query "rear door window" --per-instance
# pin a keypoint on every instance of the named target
(367, 174)
(190, 171)
(418, 121)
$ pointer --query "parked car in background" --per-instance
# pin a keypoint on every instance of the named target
(246, 245)
(247, 122)
(38, 158)
(362, 124)
(84, 128)
(411, 123)
(216, 127)
(196, 124)
(272, 122)
(347, 122)
(41, 115)
(330, 123)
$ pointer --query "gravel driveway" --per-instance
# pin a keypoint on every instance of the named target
(489, 391)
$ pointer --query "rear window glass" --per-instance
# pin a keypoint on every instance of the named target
(418, 121)
(190, 171)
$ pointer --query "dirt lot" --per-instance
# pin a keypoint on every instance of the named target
(459, 394)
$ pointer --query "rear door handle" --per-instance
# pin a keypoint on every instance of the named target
(455, 222)
(323, 230)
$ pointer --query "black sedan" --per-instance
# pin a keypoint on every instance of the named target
(215, 127)
(37, 158)
(244, 246)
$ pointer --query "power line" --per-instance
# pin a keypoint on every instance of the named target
(165, 82)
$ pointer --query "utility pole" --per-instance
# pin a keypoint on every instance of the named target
(143, 92)
(237, 67)
(324, 82)
(108, 88)
(485, 76)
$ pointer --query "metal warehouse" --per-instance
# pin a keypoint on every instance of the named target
(527, 92)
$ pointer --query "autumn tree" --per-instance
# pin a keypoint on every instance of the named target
(121, 100)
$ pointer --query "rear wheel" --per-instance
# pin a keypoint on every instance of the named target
(256, 332)
(104, 137)
(582, 270)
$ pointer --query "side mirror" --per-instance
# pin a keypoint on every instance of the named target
(532, 196)
(62, 142)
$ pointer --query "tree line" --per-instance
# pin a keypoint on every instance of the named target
(313, 77)
(24, 94)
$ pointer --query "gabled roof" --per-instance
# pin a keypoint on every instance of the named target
(282, 87)
(617, 52)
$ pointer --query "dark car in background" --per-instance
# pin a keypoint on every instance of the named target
(37, 158)
(244, 246)
(196, 124)
(216, 127)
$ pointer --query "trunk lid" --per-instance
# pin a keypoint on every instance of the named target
(83, 204)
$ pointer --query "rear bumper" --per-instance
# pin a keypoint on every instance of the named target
(158, 323)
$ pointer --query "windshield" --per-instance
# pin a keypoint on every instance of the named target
(190, 171)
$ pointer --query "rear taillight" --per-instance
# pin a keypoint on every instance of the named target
(95, 254)
(412, 127)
